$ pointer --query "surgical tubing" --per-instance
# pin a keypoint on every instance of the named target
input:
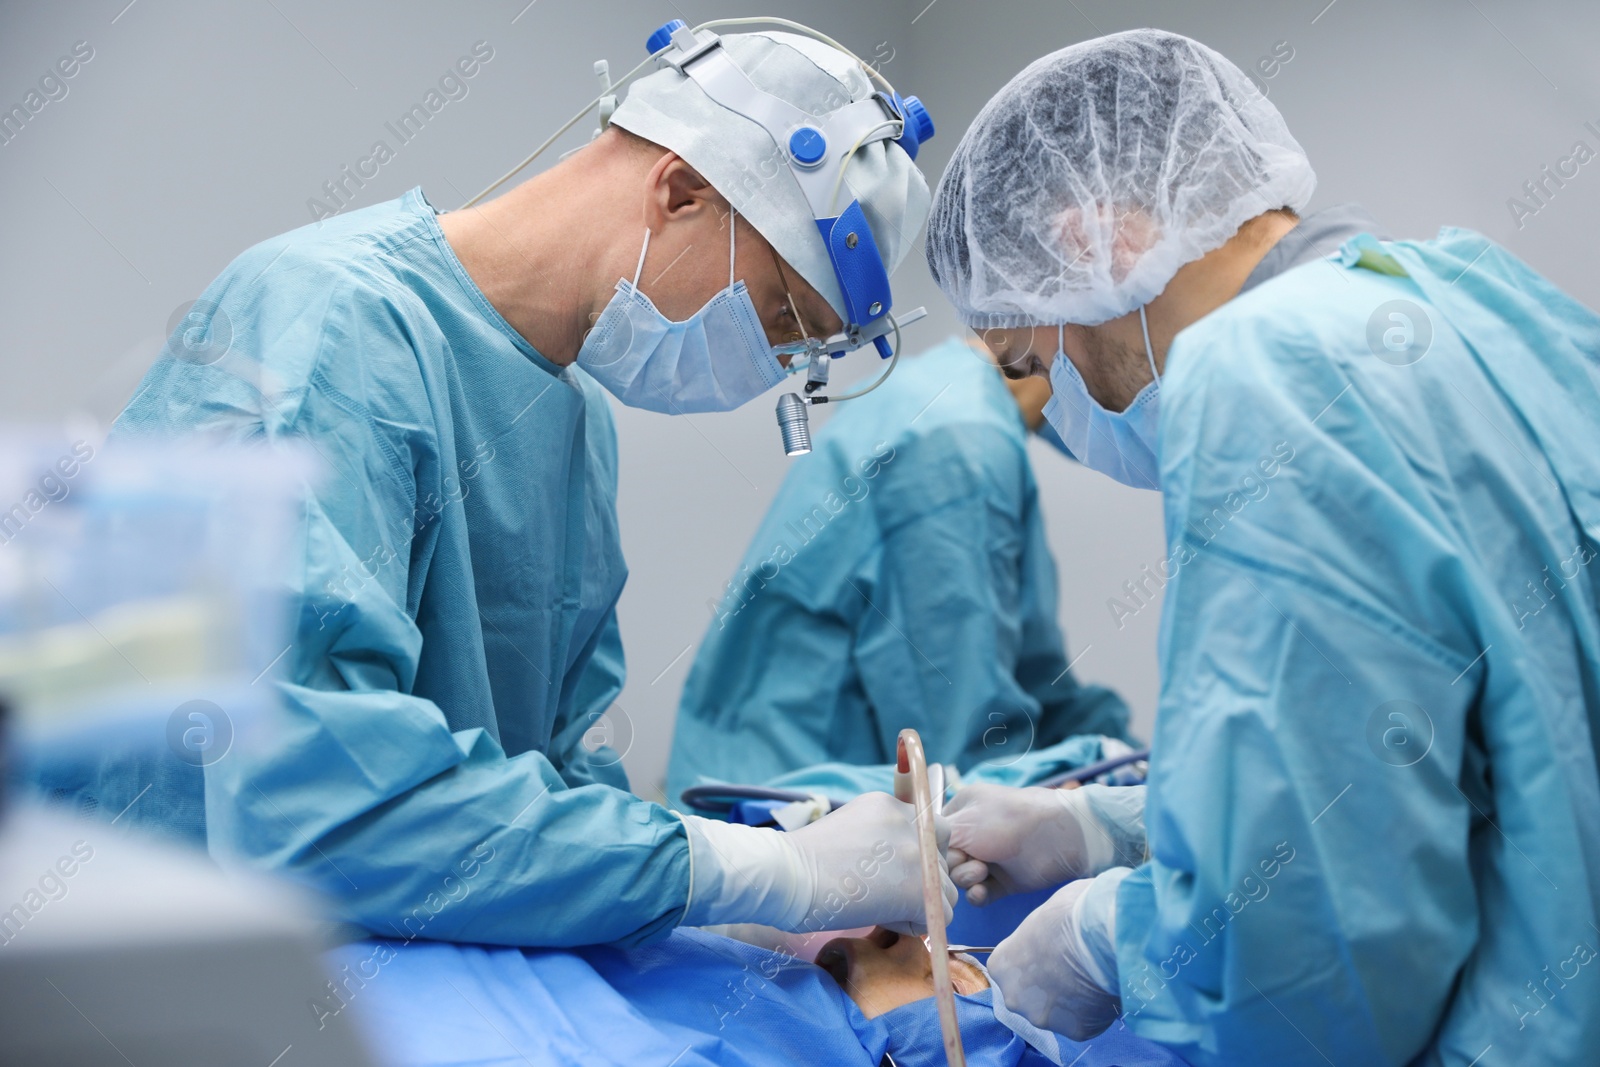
(911, 768)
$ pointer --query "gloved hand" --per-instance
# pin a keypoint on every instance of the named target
(1058, 969)
(859, 866)
(1007, 840)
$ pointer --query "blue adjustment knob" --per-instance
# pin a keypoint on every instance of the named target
(663, 36)
(918, 120)
(807, 146)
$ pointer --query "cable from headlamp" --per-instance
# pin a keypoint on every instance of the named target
(634, 73)
(794, 420)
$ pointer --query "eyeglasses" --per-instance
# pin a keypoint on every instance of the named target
(807, 345)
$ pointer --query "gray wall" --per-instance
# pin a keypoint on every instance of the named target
(198, 129)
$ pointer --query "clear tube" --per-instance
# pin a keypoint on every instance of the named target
(838, 179)
(881, 378)
(911, 784)
(537, 152)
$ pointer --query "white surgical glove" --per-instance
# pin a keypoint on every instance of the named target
(1006, 840)
(859, 866)
(1058, 969)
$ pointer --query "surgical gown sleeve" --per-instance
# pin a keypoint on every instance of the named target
(585, 736)
(584, 741)
(1275, 831)
(946, 631)
(358, 786)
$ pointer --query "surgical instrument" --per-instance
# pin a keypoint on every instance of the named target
(911, 785)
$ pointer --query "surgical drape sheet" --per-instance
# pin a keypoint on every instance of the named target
(692, 999)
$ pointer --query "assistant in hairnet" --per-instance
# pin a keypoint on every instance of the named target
(1373, 812)
(900, 578)
(459, 564)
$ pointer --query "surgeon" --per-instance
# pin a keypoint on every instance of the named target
(1373, 818)
(900, 578)
(459, 566)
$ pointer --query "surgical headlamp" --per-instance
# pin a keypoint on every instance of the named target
(817, 149)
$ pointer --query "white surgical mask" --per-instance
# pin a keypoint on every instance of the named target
(1121, 444)
(714, 360)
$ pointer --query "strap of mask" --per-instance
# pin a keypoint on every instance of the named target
(640, 268)
(1149, 352)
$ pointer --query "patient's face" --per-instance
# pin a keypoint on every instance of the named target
(886, 970)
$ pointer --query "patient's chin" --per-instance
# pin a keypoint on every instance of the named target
(884, 971)
(875, 984)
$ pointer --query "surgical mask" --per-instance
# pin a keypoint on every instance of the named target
(715, 360)
(1121, 444)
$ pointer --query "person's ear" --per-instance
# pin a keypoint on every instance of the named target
(675, 191)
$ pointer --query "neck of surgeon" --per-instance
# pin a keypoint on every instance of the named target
(1199, 288)
(539, 251)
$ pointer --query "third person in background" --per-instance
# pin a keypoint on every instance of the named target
(900, 578)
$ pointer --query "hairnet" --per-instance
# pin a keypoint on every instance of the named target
(743, 163)
(1097, 172)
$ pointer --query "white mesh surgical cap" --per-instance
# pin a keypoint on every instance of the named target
(743, 163)
(1097, 172)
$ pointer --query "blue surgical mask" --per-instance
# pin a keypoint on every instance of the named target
(1121, 444)
(715, 360)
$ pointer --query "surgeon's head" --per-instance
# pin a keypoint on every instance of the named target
(885, 970)
(1136, 171)
(708, 173)
(687, 261)
(1110, 356)
(663, 253)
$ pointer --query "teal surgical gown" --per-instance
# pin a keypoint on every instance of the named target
(456, 577)
(900, 578)
(1373, 805)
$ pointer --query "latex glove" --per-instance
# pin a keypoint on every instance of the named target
(859, 866)
(1058, 969)
(1007, 840)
